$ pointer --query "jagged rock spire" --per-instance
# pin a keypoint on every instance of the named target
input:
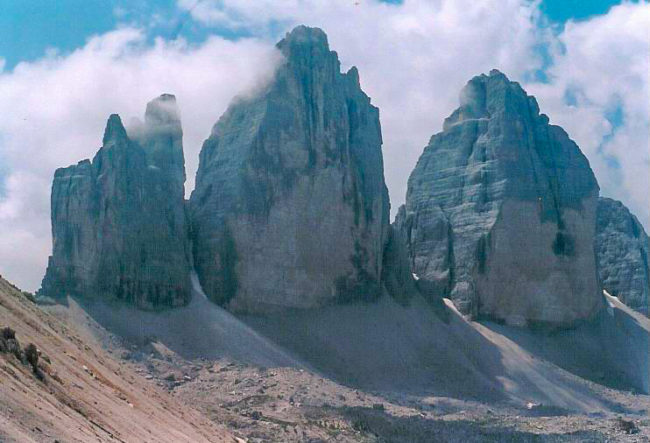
(162, 138)
(114, 130)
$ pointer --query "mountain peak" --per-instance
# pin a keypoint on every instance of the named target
(486, 95)
(114, 129)
(302, 39)
(497, 73)
(162, 110)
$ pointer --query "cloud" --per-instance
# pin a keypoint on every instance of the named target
(413, 60)
(599, 92)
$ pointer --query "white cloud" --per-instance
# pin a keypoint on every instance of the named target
(413, 60)
(605, 63)
(24, 221)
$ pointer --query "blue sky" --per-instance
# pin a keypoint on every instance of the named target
(563, 10)
(34, 26)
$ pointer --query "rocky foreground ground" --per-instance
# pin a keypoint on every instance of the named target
(101, 387)
(295, 405)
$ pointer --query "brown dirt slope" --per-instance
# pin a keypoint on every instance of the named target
(84, 394)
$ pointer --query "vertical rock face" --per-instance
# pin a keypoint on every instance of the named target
(501, 210)
(118, 223)
(290, 208)
(623, 254)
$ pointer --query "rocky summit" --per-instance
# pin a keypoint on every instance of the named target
(623, 254)
(118, 223)
(500, 212)
(290, 208)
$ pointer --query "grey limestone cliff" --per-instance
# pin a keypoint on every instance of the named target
(500, 212)
(290, 208)
(118, 224)
(623, 254)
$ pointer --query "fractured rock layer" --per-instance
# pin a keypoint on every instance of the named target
(622, 254)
